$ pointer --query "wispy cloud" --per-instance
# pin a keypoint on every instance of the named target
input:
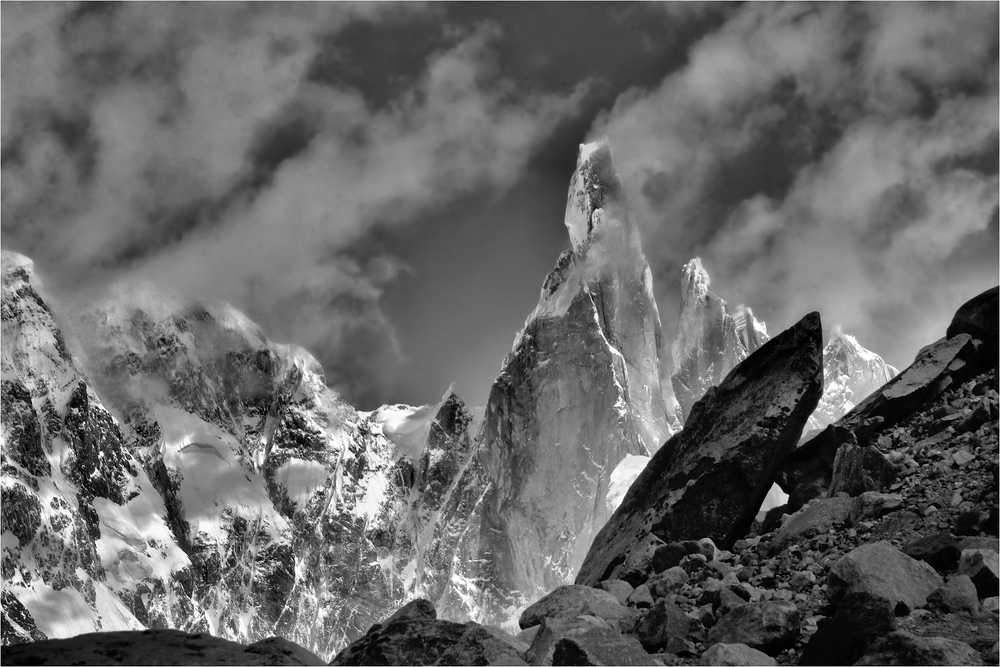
(187, 145)
(826, 156)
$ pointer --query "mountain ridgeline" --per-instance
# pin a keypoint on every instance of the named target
(165, 465)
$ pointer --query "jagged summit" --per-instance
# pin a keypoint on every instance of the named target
(711, 338)
(594, 188)
(852, 372)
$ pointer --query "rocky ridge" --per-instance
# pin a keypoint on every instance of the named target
(197, 476)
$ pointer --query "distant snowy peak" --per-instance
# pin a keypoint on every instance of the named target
(695, 283)
(851, 373)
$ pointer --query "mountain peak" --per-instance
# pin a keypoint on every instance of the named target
(594, 187)
(695, 283)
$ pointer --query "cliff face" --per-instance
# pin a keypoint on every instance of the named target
(578, 393)
(710, 339)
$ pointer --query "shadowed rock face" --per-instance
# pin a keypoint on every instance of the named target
(579, 391)
(709, 479)
(157, 647)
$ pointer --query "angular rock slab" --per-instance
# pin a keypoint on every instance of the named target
(734, 654)
(860, 469)
(664, 621)
(599, 647)
(881, 570)
(903, 648)
(983, 567)
(958, 595)
(734, 439)
(156, 647)
(767, 626)
(413, 641)
(979, 318)
(555, 629)
(572, 601)
(483, 645)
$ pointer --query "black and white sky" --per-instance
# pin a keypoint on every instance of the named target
(384, 184)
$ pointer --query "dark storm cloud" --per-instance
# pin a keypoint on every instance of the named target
(831, 156)
(210, 148)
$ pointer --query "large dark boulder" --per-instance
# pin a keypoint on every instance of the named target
(157, 647)
(734, 439)
(978, 317)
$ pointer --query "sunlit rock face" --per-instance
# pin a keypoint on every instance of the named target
(578, 393)
(711, 339)
(189, 473)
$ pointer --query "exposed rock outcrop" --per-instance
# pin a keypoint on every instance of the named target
(734, 440)
(578, 393)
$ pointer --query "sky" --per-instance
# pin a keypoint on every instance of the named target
(385, 184)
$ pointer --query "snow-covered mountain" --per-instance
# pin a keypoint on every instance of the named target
(710, 340)
(851, 373)
(578, 393)
(186, 472)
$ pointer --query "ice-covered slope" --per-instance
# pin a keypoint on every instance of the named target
(84, 532)
(189, 473)
(579, 392)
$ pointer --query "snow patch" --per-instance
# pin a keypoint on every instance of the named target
(58, 614)
(301, 479)
(622, 477)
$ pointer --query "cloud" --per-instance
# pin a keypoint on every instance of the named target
(203, 157)
(833, 157)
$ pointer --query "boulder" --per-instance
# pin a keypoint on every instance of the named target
(618, 588)
(572, 601)
(982, 567)
(977, 317)
(957, 595)
(734, 439)
(483, 645)
(881, 570)
(859, 469)
(408, 641)
(599, 647)
(734, 654)
(860, 619)
(766, 626)
(641, 597)
(553, 629)
(940, 551)
(903, 648)
(817, 517)
(668, 581)
(663, 621)
(872, 505)
(156, 647)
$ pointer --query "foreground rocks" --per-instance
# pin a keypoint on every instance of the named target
(733, 440)
(156, 647)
